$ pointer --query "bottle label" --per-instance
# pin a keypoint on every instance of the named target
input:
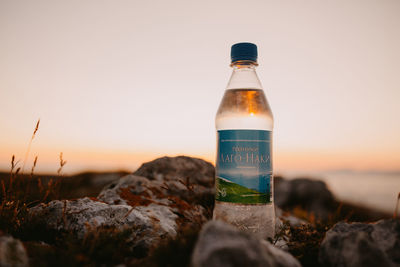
(244, 167)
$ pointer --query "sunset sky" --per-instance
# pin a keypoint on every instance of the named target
(118, 83)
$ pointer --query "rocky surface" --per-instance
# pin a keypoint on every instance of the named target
(311, 195)
(361, 244)
(12, 252)
(151, 224)
(139, 192)
(220, 244)
(189, 178)
(157, 207)
(166, 202)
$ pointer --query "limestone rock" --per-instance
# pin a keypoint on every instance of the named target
(312, 195)
(156, 207)
(151, 223)
(361, 244)
(12, 252)
(181, 186)
(137, 191)
(189, 178)
(179, 168)
(220, 244)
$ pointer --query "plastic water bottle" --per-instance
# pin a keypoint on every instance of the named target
(244, 123)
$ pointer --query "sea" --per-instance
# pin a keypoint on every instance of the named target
(371, 189)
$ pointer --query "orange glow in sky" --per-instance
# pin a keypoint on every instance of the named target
(119, 83)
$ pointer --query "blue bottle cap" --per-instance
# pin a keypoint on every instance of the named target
(244, 51)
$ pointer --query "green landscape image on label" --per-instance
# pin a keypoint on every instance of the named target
(244, 167)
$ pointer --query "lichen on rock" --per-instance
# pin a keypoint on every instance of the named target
(157, 209)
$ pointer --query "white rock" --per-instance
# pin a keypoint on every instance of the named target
(81, 215)
(220, 244)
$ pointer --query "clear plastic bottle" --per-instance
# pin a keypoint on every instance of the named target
(244, 123)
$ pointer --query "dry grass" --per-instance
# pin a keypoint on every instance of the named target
(396, 209)
(30, 144)
(103, 246)
(20, 191)
(110, 246)
(62, 163)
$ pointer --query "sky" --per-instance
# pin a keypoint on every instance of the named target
(118, 83)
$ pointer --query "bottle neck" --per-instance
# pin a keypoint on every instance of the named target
(244, 76)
